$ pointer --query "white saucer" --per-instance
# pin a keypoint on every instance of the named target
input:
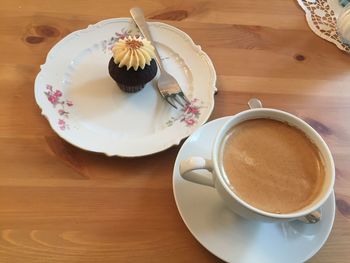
(235, 239)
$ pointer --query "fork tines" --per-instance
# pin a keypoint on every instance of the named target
(177, 98)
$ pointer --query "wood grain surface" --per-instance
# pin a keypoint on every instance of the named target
(61, 204)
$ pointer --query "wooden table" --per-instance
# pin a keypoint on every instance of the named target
(62, 204)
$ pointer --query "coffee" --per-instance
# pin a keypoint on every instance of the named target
(272, 165)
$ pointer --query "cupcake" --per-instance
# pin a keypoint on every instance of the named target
(133, 63)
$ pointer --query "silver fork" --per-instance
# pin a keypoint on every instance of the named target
(168, 87)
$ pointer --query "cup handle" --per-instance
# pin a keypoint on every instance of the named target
(188, 166)
(254, 103)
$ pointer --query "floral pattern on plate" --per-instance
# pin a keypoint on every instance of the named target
(189, 115)
(55, 98)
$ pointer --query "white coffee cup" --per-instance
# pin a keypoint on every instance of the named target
(218, 180)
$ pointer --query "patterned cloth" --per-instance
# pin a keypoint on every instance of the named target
(322, 15)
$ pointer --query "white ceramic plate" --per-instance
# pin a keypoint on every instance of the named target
(85, 107)
(231, 237)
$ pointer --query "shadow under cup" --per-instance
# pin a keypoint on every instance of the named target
(226, 190)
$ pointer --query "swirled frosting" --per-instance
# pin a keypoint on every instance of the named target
(133, 52)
